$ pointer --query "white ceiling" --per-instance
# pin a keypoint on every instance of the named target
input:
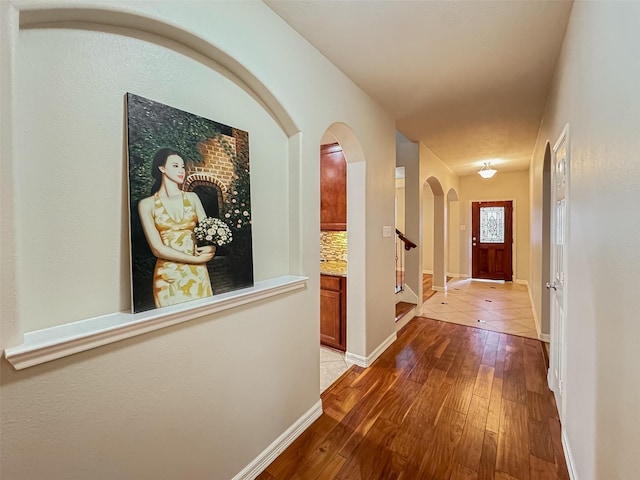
(468, 79)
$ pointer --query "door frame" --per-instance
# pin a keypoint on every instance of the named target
(514, 247)
(558, 346)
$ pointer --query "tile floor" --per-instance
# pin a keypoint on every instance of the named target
(502, 307)
(332, 366)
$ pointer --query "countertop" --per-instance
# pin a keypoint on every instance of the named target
(335, 268)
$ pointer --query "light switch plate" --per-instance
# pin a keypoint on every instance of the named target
(387, 231)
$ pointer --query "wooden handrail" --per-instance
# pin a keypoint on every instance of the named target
(408, 244)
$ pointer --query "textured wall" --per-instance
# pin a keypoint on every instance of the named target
(595, 93)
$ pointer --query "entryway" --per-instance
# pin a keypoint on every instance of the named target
(500, 307)
(492, 240)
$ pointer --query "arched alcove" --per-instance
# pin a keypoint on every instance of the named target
(105, 25)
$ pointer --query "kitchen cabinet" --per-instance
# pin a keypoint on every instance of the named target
(333, 188)
(333, 312)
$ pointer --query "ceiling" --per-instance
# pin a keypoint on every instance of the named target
(468, 79)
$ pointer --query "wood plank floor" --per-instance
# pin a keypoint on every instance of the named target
(444, 402)
(402, 308)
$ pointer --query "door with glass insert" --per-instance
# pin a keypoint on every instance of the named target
(492, 240)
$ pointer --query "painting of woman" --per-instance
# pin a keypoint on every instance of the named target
(169, 216)
(189, 186)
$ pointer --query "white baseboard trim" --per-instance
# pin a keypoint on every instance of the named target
(521, 282)
(364, 362)
(536, 321)
(262, 461)
(545, 337)
(428, 272)
(439, 289)
(568, 456)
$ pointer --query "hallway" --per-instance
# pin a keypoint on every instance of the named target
(500, 307)
(443, 402)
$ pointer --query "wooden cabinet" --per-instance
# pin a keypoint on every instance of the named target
(333, 188)
(333, 312)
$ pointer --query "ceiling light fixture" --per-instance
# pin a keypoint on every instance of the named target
(486, 171)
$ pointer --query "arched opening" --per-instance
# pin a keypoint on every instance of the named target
(354, 311)
(46, 22)
(439, 234)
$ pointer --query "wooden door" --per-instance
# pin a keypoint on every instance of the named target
(492, 240)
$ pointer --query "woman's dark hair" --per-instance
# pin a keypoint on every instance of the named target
(160, 160)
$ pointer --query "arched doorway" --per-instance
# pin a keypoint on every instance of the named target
(355, 313)
(439, 234)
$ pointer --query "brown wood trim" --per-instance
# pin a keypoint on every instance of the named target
(340, 227)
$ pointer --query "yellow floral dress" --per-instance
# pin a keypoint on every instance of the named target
(175, 282)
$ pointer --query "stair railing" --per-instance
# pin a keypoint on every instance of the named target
(402, 244)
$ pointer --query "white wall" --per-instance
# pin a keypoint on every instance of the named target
(432, 166)
(420, 164)
(453, 262)
(502, 186)
(400, 204)
(407, 156)
(203, 399)
(595, 91)
(427, 229)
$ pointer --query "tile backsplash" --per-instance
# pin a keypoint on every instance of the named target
(333, 246)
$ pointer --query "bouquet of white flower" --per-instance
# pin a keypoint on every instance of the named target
(212, 231)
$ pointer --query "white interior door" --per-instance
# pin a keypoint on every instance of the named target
(558, 281)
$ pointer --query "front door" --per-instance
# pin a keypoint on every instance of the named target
(492, 240)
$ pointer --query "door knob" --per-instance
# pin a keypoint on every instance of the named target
(552, 285)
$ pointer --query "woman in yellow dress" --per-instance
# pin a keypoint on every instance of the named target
(168, 218)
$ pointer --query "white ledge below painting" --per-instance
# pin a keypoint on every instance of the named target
(52, 343)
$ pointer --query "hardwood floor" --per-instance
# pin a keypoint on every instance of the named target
(444, 402)
(402, 308)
